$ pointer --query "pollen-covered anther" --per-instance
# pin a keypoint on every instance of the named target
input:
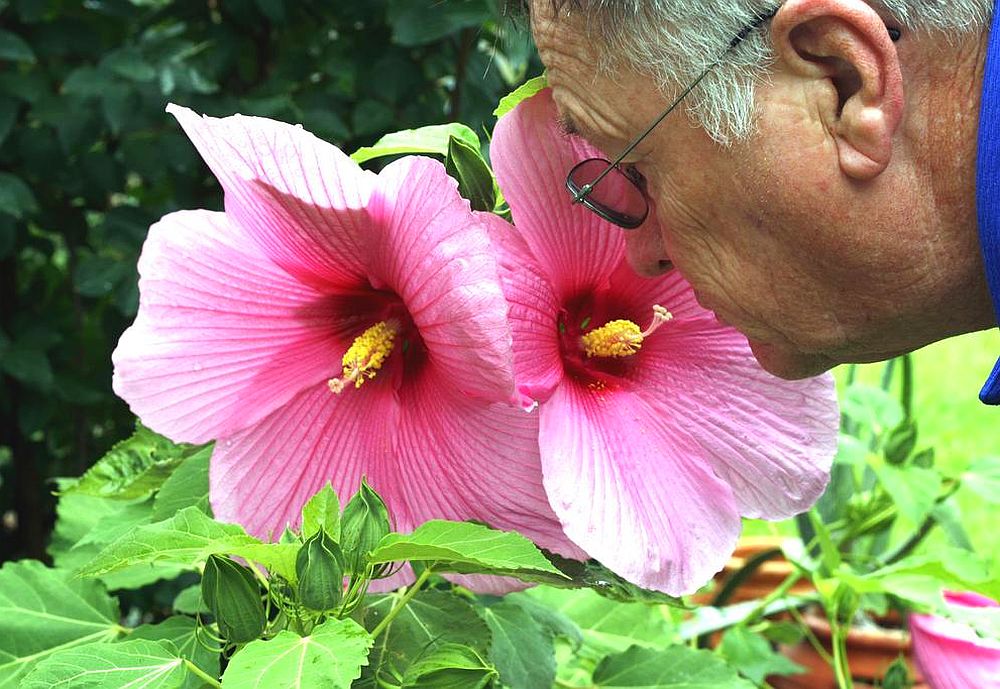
(366, 355)
(621, 338)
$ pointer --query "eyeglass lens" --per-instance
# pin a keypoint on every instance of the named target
(617, 198)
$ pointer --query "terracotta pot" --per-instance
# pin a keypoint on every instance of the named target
(870, 652)
(765, 578)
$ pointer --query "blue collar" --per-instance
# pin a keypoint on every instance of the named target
(988, 187)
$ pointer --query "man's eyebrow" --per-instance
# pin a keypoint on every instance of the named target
(567, 126)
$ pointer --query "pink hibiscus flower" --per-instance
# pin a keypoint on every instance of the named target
(951, 655)
(653, 442)
(332, 324)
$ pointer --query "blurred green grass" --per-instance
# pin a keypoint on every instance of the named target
(950, 418)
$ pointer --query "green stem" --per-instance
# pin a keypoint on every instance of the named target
(202, 675)
(906, 394)
(811, 637)
(841, 667)
(780, 592)
(407, 597)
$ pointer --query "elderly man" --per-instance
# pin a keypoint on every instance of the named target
(818, 183)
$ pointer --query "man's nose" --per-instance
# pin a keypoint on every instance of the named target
(644, 248)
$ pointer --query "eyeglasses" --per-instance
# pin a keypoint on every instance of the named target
(622, 198)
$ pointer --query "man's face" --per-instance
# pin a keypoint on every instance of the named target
(769, 232)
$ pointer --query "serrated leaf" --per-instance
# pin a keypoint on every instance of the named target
(43, 611)
(330, 657)
(133, 468)
(522, 92)
(521, 649)
(432, 139)
(753, 656)
(451, 666)
(138, 664)
(678, 667)
(322, 511)
(431, 619)
(186, 540)
(186, 487)
(464, 548)
(14, 48)
(183, 633)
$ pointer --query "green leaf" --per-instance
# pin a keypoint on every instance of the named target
(16, 198)
(464, 548)
(522, 92)
(86, 82)
(129, 63)
(608, 626)
(97, 276)
(914, 490)
(44, 610)
(450, 666)
(431, 619)
(189, 601)
(133, 468)
(187, 539)
(753, 656)
(183, 633)
(138, 664)
(330, 657)
(322, 511)
(475, 181)
(14, 48)
(678, 667)
(983, 479)
(521, 650)
(28, 365)
(433, 139)
(418, 22)
(186, 487)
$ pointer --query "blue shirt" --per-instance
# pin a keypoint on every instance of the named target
(988, 187)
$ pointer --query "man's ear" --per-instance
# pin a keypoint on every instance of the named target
(845, 45)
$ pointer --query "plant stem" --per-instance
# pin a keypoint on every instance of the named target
(841, 667)
(906, 394)
(811, 637)
(780, 592)
(407, 597)
(202, 675)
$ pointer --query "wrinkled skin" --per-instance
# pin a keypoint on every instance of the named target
(844, 230)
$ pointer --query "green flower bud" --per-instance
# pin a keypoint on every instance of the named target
(897, 676)
(232, 593)
(364, 524)
(900, 443)
(320, 571)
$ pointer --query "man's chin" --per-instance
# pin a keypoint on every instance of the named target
(788, 363)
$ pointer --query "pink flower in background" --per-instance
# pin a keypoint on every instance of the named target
(950, 654)
(656, 435)
(332, 324)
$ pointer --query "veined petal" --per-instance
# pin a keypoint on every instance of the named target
(223, 336)
(953, 656)
(461, 459)
(772, 440)
(633, 494)
(261, 477)
(533, 312)
(531, 157)
(299, 198)
(430, 249)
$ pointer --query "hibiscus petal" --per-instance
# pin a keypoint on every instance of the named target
(633, 494)
(435, 254)
(532, 157)
(300, 198)
(952, 655)
(772, 440)
(533, 312)
(461, 459)
(223, 336)
(261, 477)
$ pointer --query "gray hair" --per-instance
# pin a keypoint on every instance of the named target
(674, 40)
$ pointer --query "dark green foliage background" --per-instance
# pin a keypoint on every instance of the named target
(89, 159)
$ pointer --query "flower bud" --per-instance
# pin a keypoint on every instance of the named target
(320, 572)
(364, 524)
(232, 593)
(900, 443)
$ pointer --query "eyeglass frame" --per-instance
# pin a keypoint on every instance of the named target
(582, 194)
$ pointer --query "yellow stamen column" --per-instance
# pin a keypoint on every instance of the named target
(620, 339)
(366, 355)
